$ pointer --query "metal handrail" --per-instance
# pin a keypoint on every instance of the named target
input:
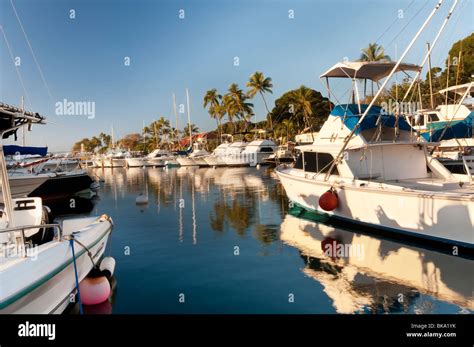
(22, 228)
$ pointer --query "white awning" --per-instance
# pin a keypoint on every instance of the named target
(374, 70)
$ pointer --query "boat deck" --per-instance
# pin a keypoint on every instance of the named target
(434, 185)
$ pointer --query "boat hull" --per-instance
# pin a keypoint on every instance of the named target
(23, 186)
(48, 281)
(137, 162)
(186, 162)
(415, 213)
(214, 160)
(63, 185)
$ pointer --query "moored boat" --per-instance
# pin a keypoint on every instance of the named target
(363, 154)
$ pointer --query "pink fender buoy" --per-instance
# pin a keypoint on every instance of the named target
(329, 201)
(94, 290)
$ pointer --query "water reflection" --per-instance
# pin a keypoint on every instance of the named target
(237, 204)
(385, 276)
(184, 239)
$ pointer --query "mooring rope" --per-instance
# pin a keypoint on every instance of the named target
(71, 242)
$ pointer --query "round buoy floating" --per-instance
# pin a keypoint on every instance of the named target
(142, 199)
(94, 290)
(329, 201)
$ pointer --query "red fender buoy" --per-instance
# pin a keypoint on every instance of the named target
(329, 201)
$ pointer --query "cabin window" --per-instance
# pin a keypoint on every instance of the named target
(318, 162)
(310, 163)
(324, 162)
(433, 117)
(299, 161)
(266, 149)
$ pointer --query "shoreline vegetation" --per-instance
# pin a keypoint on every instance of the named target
(296, 111)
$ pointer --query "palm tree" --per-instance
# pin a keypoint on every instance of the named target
(260, 84)
(286, 127)
(216, 110)
(302, 101)
(374, 52)
(194, 130)
(230, 109)
(237, 101)
(161, 127)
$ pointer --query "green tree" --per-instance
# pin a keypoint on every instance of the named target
(373, 52)
(194, 130)
(259, 84)
(305, 107)
(216, 109)
(236, 103)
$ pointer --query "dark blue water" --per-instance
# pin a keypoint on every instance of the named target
(222, 240)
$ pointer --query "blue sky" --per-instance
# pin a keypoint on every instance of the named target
(82, 59)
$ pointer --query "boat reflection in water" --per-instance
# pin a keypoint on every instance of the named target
(362, 273)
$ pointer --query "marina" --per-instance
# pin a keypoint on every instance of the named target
(188, 168)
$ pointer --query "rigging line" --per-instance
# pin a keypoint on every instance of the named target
(396, 20)
(409, 21)
(32, 52)
(16, 67)
(445, 46)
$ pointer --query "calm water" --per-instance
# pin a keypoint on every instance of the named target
(224, 238)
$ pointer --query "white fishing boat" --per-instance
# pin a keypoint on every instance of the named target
(40, 277)
(217, 156)
(159, 157)
(23, 183)
(233, 154)
(195, 158)
(369, 168)
(257, 151)
(284, 154)
(449, 123)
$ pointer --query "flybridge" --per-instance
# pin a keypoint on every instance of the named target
(351, 116)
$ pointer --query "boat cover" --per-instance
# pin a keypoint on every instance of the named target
(351, 116)
(13, 150)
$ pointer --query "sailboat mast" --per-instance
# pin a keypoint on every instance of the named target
(189, 119)
(113, 140)
(23, 131)
(176, 115)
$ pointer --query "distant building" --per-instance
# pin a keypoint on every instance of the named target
(208, 138)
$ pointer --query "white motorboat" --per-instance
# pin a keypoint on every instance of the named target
(41, 278)
(432, 123)
(23, 183)
(137, 162)
(369, 168)
(284, 154)
(217, 156)
(257, 151)
(115, 158)
(195, 158)
(233, 154)
(159, 157)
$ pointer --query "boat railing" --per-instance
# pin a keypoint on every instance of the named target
(21, 229)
